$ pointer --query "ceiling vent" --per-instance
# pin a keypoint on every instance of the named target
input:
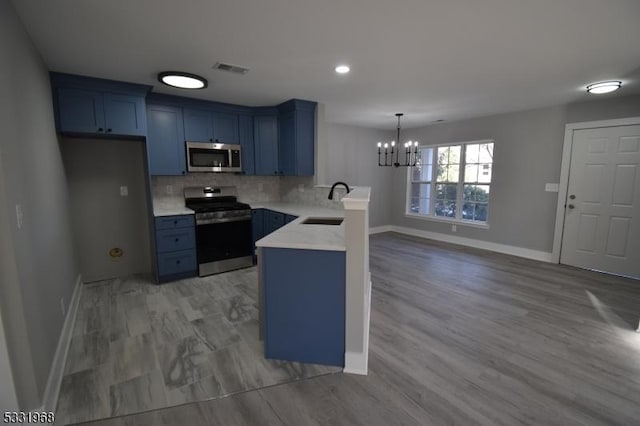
(236, 69)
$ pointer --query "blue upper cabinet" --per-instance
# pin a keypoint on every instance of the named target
(80, 111)
(245, 128)
(198, 125)
(95, 107)
(265, 131)
(124, 115)
(297, 133)
(287, 143)
(207, 126)
(165, 140)
(225, 128)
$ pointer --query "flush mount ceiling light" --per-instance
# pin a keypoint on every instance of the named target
(182, 80)
(604, 87)
(342, 69)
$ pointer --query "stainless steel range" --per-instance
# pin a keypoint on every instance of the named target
(223, 229)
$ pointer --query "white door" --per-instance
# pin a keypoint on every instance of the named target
(602, 214)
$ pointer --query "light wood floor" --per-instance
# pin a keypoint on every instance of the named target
(463, 336)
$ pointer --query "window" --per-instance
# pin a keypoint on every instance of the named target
(452, 182)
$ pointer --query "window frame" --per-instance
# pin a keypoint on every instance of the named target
(459, 187)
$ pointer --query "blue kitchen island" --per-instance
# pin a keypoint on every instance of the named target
(315, 287)
(304, 305)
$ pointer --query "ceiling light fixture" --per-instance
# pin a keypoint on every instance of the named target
(182, 80)
(604, 87)
(342, 69)
(411, 155)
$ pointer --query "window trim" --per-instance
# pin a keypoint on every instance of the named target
(460, 187)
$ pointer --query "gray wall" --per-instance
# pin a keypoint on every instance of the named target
(38, 261)
(527, 154)
(352, 158)
(101, 218)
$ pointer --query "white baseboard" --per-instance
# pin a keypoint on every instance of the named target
(379, 229)
(355, 363)
(52, 390)
(542, 256)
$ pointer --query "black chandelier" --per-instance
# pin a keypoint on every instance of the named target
(410, 151)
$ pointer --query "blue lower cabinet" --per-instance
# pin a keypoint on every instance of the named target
(257, 224)
(289, 218)
(272, 221)
(175, 239)
(176, 262)
(304, 305)
(175, 247)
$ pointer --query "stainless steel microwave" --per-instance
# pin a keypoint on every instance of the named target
(213, 157)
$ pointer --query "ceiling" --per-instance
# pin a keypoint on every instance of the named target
(431, 59)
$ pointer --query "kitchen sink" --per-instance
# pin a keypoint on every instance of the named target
(323, 221)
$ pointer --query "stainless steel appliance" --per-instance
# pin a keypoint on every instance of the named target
(223, 229)
(213, 157)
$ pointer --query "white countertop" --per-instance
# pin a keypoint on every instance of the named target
(292, 235)
(295, 235)
(169, 206)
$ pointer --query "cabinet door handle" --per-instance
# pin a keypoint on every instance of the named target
(100, 129)
(210, 139)
(109, 130)
(177, 262)
(177, 239)
(175, 222)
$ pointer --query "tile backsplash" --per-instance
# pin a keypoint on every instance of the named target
(301, 190)
(251, 189)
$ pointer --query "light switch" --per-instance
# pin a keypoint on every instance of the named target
(552, 187)
(124, 191)
(19, 216)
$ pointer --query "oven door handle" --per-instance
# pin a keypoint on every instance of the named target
(223, 220)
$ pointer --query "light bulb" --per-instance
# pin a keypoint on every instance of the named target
(393, 143)
(386, 145)
(379, 144)
(415, 143)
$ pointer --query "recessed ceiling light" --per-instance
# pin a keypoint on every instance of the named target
(604, 87)
(182, 80)
(342, 69)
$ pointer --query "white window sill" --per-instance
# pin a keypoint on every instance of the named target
(448, 220)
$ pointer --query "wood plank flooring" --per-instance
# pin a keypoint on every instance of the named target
(461, 336)
(138, 346)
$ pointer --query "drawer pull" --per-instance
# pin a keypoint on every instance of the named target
(177, 262)
(175, 222)
(177, 239)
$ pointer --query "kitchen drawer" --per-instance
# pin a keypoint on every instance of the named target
(176, 262)
(172, 222)
(175, 239)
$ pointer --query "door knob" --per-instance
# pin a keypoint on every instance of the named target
(571, 206)
(573, 197)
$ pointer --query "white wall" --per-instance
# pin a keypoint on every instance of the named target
(38, 261)
(527, 154)
(101, 218)
(352, 158)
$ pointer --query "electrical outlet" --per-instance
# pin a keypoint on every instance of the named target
(169, 189)
(62, 307)
(124, 191)
(19, 216)
(454, 228)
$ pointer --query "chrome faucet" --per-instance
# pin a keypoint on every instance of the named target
(333, 187)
